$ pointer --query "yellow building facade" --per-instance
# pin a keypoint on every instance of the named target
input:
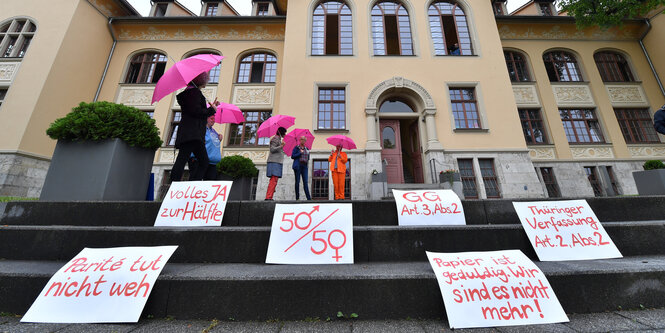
(523, 106)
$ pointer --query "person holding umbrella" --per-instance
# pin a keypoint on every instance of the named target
(213, 144)
(300, 156)
(192, 128)
(337, 161)
(275, 159)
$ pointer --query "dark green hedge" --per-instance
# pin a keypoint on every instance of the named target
(105, 120)
(653, 164)
(237, 166)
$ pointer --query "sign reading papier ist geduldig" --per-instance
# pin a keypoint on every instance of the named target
(194, 204)
(428, 207)
(108, 285)
(565, 230)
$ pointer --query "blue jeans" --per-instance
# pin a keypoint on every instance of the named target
(301, 171)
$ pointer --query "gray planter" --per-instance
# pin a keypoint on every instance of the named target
(446, 177)
(379, 178)
(98, 170)
(650, 182)
(241, 188)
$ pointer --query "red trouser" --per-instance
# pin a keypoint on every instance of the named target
(271, 187)
(338, 183)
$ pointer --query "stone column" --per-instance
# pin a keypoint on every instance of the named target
(371, 120)
(432, 138)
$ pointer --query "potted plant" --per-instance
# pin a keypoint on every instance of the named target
(104, 152)
(240, 170)
(651, 181)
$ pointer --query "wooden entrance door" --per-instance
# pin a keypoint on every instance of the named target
(416, 157)
(392, 150)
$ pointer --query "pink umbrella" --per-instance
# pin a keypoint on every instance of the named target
(345, 141)
(182, 72)
(292, 139)
(228, 114)
(269, 127)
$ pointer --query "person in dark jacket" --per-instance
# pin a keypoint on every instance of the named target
(659, 120)
(192, 128)
(300, 156)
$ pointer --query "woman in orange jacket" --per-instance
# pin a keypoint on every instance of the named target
(337, 161)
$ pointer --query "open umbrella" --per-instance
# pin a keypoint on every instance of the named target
(345, 141)
(183, 72)
(228, 114)
(292, 139)
(269, 127)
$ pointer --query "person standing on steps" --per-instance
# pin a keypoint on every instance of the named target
(213, 144)
(337, 161)
(300, 156)
(275, 159)
(659, 120)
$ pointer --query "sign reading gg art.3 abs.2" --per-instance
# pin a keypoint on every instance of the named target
(428, 207)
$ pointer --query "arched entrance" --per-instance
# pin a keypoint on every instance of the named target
(400, 142)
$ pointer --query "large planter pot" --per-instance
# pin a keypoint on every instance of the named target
(452, 181)
(379, 178)
(241, 188)
(98, 170)
(449, 177)
(650, 182)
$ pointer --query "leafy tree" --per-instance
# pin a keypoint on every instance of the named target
(606, 13)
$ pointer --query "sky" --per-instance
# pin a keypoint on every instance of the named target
(244, 7)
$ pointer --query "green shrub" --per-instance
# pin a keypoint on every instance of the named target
(237, 167)
(105, 120)
(653, 164)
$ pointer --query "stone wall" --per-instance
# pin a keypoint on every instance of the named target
(22, 176)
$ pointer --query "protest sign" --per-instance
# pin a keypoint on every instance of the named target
(497, 288)
(428, 207)
(565, 230)
(311, 234)
(194, 204)
(101, 286)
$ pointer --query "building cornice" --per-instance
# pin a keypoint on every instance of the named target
(200, 20)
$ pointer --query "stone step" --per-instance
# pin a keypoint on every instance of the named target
(250, 244)
(373, 290)
(259, 213)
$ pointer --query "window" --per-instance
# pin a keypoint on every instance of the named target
(146, 68)
(320, 179)
(391, 29)
(581, 126)
(489, 177)
(262, 9)
(562, 67)
(175, 121)
(332, 31)
(258, 68)
(532, 126)
(550, 183)
(449, 29)
(613, 67)
(592, 176)
(465, 109)
(245, 134)
(545, 9)
(613, 180)
(332, 108)
(211, 9)
(3, 93)
(468, 177)
(214, 73)
(15, 38)
(636, 125)
(517, 69)
(150, 114)
(160, 9)
(498, 8)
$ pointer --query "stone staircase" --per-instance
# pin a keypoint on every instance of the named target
(219, 272)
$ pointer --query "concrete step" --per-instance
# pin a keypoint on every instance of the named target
(250, 244)
(373, 290)
(259, 213)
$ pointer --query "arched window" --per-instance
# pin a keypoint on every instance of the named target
(517, 68)
(15, 37)
(214, 73)
(146, 67)
(613, 67)
(258, 68)
(332, 31)
(449, 29)
(562, 67)
(391, 29)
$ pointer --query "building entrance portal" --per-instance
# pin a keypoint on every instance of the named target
(400, 143)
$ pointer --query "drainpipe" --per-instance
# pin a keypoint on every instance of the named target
(646, 54)
(108, 61)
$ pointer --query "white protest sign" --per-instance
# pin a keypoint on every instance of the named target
(194, 204)
(498, 288)
(101, 286)
(428, 207)
(311, 234)
(565, 230)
